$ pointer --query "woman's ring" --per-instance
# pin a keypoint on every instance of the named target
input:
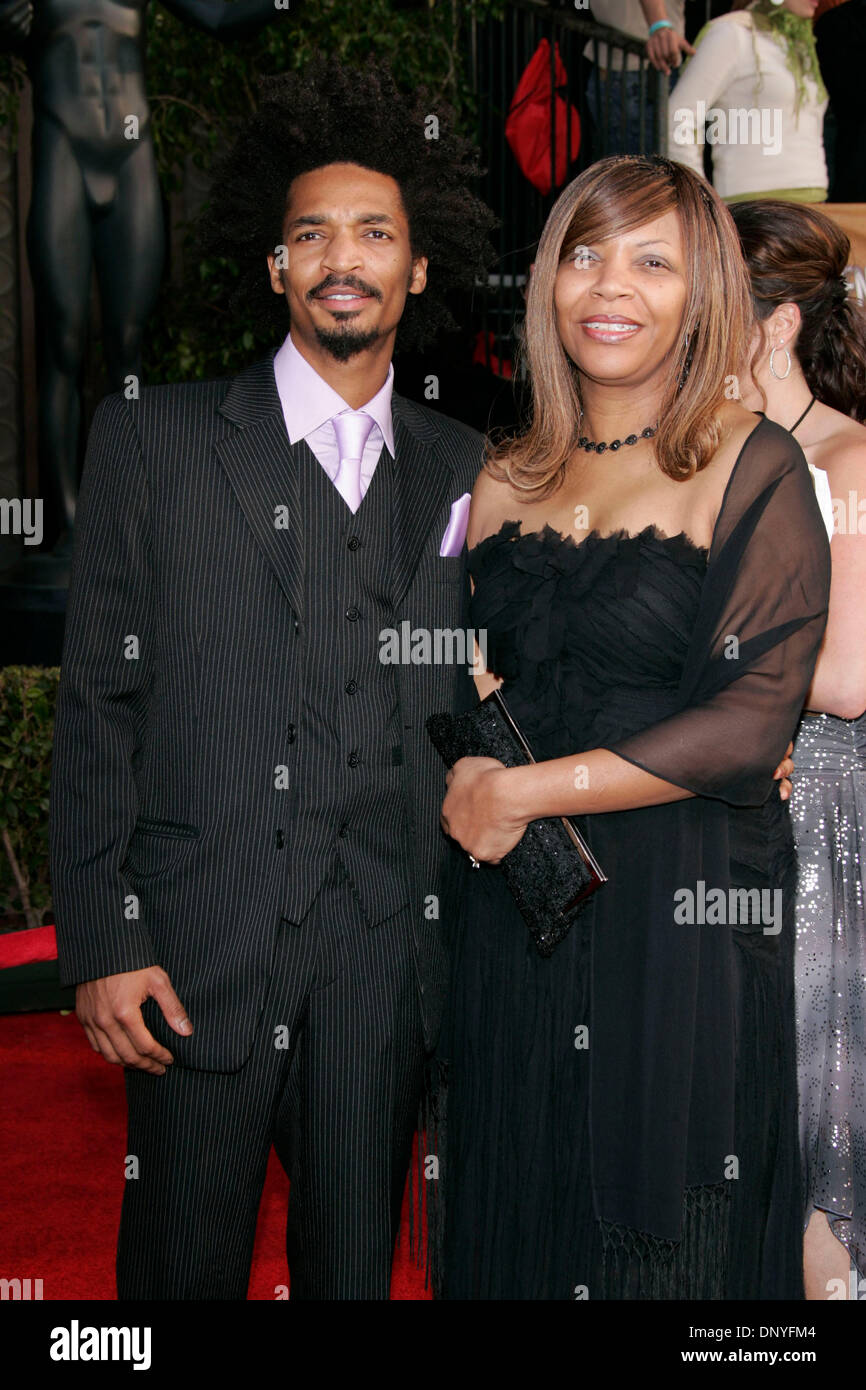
(474, 862)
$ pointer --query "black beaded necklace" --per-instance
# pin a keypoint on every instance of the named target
(591, 447)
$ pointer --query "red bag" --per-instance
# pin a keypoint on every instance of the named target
(484, 356)
(527, 129)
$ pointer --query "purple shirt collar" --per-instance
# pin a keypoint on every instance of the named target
(309, 402)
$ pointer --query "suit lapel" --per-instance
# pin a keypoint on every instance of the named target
(421, 481)
(263, 473)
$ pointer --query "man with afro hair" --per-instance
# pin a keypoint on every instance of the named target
(250, 878)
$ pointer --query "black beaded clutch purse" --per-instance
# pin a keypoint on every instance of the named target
(551, 871)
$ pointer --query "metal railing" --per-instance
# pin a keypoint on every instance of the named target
(499, 50)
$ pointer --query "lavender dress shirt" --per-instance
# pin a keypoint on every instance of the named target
(309, 405)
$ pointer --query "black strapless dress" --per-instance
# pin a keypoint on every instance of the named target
(591, 638)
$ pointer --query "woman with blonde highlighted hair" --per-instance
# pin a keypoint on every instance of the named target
(651, 570)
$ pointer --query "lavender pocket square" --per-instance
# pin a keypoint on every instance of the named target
(455, 531)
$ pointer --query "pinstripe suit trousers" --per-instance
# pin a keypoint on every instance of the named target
(333, 1081)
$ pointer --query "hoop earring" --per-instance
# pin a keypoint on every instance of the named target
(780, 376)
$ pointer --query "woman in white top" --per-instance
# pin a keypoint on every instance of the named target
(809, 374)
(753, 93)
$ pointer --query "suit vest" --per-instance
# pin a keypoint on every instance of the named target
(346, 773)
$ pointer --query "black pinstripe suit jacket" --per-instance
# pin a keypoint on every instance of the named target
(179, 679)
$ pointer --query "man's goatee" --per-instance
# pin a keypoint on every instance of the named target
(345, 344)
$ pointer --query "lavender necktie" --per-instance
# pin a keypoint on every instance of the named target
(352, 428)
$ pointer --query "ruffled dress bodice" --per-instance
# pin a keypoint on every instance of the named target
(589, 636)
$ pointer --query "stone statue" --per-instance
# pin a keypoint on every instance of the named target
(95, 197)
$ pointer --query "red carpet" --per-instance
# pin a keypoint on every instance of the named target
(31, 944)
(61, 1170)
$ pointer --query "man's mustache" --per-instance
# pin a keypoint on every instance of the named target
(345, 282)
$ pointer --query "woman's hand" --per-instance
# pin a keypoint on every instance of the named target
(665, 49)
(476, 810)
(783, 772)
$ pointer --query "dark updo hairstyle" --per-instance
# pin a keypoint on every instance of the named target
(797, 255)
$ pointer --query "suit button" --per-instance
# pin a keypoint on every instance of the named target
(353, 542)
(351, 687)
(280, 839)
(353, 759)
(290, 733)
(343, 831)
(352, 614)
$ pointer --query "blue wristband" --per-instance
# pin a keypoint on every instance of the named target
(660, 24)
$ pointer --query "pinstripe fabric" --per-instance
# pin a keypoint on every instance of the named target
(201, 776)
(347, 770)
(339, 1103)
(169, 832)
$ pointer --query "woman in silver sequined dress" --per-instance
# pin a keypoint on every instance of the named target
(809, 363)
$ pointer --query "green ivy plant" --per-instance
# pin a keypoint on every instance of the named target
(200, 89)
(27, 700)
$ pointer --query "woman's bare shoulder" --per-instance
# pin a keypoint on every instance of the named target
(839, 447)
(493, 501)
(737, 424)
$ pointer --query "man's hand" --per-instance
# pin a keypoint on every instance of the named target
(109, 1011)
(783, 772)
(665, 49)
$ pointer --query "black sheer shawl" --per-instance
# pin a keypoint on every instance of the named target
(761, 621)
(664, 1043)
